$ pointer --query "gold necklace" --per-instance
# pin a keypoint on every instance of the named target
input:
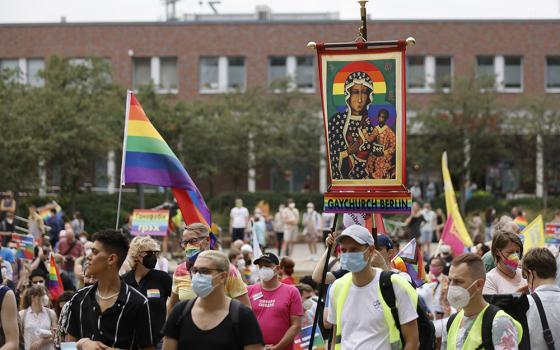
(107, 298)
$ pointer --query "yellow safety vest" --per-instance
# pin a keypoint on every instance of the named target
(340, 293)
(474, 338)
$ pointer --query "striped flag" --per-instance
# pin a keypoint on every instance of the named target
(54, 283)
(147, 159)
(25, 246)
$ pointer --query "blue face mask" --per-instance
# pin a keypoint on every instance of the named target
(202, 285)
(353, 262)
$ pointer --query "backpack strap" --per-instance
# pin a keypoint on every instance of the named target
(388, 294)
(487, 320)
(547, 334)
(234, 308)
(187, 307)
(450, 321)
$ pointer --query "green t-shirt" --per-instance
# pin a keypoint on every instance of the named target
(489, 262)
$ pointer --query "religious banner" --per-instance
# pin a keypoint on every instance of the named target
(363, 95)
(149, 222)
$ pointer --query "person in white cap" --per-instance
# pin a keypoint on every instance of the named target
(360, 316)
(248, 271)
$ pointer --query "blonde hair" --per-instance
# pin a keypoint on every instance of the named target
(219, 259)
(200, 230)
(140, 244)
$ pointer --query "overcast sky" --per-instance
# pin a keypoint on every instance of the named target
(14, 11)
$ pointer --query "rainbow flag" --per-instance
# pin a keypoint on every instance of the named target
(25, 246)
(54, 283)
(521, 222)
(147, 159)
(409, 260)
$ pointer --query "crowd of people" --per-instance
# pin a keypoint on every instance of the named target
(120, 293)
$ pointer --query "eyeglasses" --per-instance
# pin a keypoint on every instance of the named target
(203, 270)
(39, 282)
(195, 240)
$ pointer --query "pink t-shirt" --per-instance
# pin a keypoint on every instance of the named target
(273, 309)
(496, 283)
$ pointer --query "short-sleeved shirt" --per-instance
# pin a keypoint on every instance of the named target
(496, 283)
(274, 308)
(128, 321)
(223, 336)
(239, 217)
(362, 321)
(550, 298)
(156, 286)
(182, 284)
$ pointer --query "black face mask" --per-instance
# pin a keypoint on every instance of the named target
(149, 261)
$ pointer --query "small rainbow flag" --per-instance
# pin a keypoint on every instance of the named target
(521, 222)
(147, 159)
(54, 283)
(25, 246)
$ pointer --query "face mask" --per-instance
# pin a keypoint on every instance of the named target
(511, 262)
(353, 262)
(435, 270)
(45, 300)
(240, 264)
(266, 274)
(309, 210)
(458, 297)
(149, 261)
(192, 251)
(83, 239)
(292, 205)
(308, 304)
(14, 251)
(202, 285)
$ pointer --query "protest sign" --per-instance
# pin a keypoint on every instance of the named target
(552, 234)
(149, 222)
(301, 341)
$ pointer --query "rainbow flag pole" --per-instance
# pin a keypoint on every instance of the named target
(123, 158)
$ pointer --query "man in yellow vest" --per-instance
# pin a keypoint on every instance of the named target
(465, 328)
(360, 317)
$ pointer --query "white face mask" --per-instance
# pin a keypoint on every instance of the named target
(266, 274)
(308, 304)
(292, 205)
(45, 300)
(458, 296)
(240, 264)
(83, 239)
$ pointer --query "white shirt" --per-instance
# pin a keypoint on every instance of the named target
(430, 217)
(550, 298)
(239, 217)
(431, 293)
(33, 323)
(363, 323)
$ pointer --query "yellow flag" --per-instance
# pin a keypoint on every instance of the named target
(533, 234)
(451, 204)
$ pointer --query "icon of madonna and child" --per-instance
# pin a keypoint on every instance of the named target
(362, 132)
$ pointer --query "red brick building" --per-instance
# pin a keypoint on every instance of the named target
(211, 54)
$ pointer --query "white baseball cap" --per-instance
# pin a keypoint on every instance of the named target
(246, 248)
(358, 233)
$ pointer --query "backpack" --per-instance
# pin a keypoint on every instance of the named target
(3, 290)
(516, 306)
(426, 330)
(234, 314)
(487, 320)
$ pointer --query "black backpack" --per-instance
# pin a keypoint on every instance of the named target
(487, 320)
(426, 330)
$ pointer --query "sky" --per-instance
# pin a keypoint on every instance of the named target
(33, 11)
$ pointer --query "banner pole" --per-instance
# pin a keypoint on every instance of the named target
(123, 157)
(321, 301)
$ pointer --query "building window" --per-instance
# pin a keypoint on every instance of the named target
(209, 74)
(443, 74)
(277, 69)
(13, 66)
(416, 72)
(485, 66)
(142, 72)
(168, 79)
(34, 65)
(236, 73)
(305, 72)
(513, 76)
(553, 73)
